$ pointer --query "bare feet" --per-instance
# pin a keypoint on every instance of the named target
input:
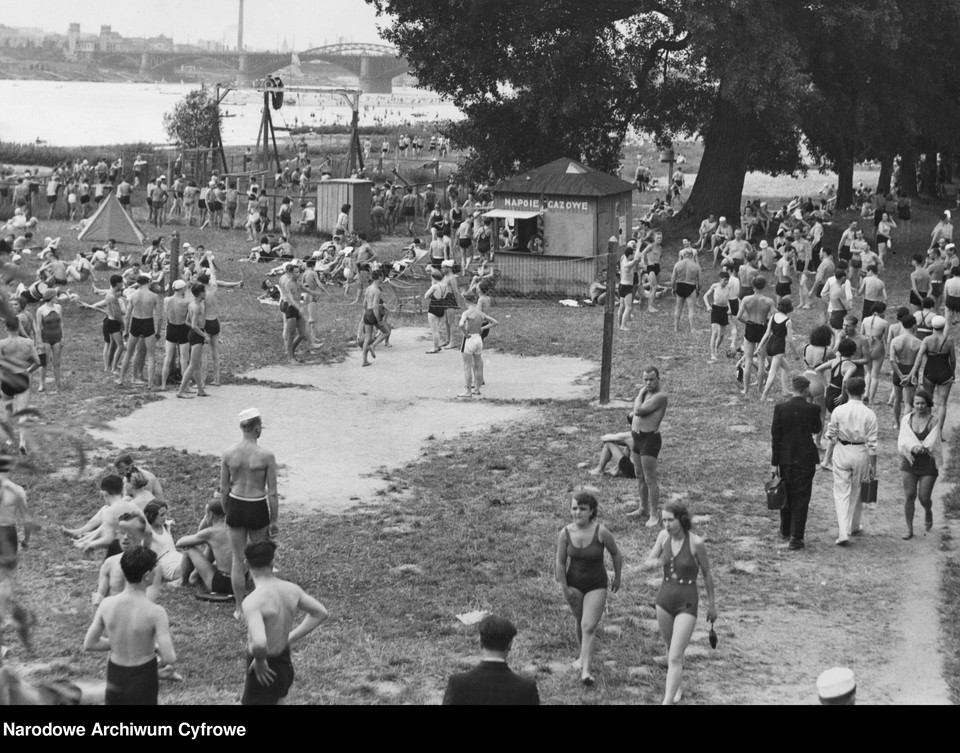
(596, 471)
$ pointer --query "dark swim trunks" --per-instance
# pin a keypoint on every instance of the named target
(132, 686)
(647, 443)
(782, 289)
(624, 290)
(110, 326)
(8, 547)
(655, 268)
(754, 331)
(142, 328)
(719, 315)
(179, 334)
(252, 514)
(212, 327)
(370, 317)
(193, 338)
(289, 310)
(220, 584)
(255, 694)
(685, 289)
(14, 383)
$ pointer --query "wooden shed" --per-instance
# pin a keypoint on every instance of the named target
(333, 194)
(576, 209)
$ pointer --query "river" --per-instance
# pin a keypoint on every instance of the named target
(75, 113)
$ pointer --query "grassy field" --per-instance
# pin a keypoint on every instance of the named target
(474, 524)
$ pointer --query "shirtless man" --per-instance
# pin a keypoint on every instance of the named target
(648, 410)
(211, 313)
(248, 489)
(473, 323)
(627, 267)
(839, 298)
(755, 310)
(919, 283)
(134, 630)
(936, 266)
(215, 573)
(126, 465)
(294, 325)
(717, 300)
(904, 349)
(13, 508)
(722, 235)
(650, 261)
(176, 346)
(131, 530)
(736, 250)
(312, 290)
(685, 281)
(872, 289)
(101, 530)
(269, 612)
(144, 309)
(196, 338)
(20, 359)
(113, 344)
(371, 316)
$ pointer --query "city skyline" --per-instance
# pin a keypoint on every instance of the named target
(267, 23)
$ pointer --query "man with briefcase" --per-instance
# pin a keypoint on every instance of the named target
(852, 446)
(794, 455)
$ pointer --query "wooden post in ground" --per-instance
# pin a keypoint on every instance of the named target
(609, 314)
(174, 272)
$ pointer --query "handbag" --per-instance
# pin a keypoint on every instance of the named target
(776, 489)
(868, 492)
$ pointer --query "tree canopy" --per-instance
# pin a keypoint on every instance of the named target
(539, 79)
(194, 120)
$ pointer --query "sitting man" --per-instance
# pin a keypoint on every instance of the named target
(131, 530)
(616, 447)
(492, 683)
(101, 530)
(308, 219)
(215, 573)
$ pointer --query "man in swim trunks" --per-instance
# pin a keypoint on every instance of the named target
(936, 266)
(113, 345)
(371, 316)
(248, 489)
(177, 332)
(717, 299)
(650, 262)
(919, 283)
(134, 630)
(839, 297)
(846, 239)
(215, 573)
(755, 310)
(872, 289)
(903, 355)
(312, 291)
(13, 509)
(648, 411)
(294, 324)
(131, 532)
(825, 271)
(211, 309)
(20, 358)
(735, 250)
(142, 313)
(269, 612)
(685, 281)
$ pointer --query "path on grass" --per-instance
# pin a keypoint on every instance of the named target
(337, 440)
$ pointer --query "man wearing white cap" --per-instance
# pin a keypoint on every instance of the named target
(177, 334)
(837, 687)
(723, 234)
(852, 445)
(248, 493)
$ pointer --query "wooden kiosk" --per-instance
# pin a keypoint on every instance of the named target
(576, 209)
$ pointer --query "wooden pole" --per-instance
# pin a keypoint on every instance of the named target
(174, 272)
(609, 314)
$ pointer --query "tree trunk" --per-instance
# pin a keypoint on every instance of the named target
(719, 184)
(886, 173)
(928, 173)
(844, 168)
(908, 173)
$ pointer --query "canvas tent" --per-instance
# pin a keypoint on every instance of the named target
(112, 221)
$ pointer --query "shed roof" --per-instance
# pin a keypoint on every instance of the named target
(564, 177)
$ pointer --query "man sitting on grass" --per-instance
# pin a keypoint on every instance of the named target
(101, 530)
(131, 530)
(616, 448)
(214, 538)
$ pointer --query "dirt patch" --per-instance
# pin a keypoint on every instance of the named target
(337, 440)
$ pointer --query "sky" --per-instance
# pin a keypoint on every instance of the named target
(304, 23)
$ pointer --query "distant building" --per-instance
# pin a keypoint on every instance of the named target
(16, 36)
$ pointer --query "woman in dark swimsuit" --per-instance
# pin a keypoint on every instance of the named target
(816, 353)
(682, 555)
(582, 575)
(937, 352)
(779, 335)
(841, 369)
(920, 453)
(436, 310)
(50, 329)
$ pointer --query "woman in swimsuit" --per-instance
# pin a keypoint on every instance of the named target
(436, 310)
(451, 301)
(582, 575)
(874, 328)
(937, 352)
(816, 353)
(50, 332)
(841, 369)
(682, 555)
(779, 334)
(169, 560)
(921, 452)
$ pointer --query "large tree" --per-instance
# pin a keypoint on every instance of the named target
(194, 121)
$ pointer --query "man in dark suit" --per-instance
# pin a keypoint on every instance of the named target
(795, 422)
(492, 683)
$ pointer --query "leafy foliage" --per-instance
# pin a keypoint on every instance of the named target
(194, 120)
